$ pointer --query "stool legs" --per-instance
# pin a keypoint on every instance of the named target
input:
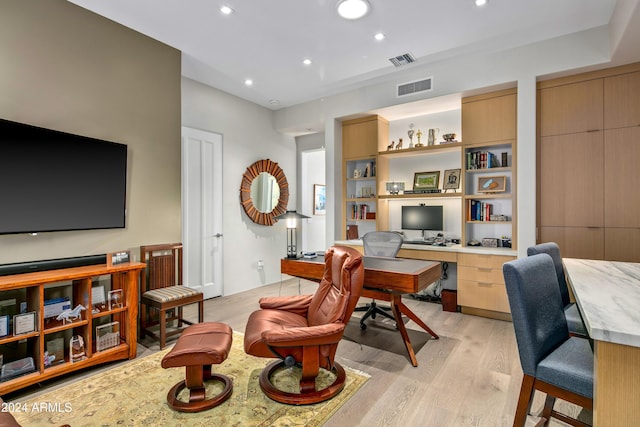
(194, 381)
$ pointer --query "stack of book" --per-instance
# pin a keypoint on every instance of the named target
(484, 160)
(478, 211)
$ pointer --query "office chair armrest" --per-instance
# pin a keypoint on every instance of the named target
(330, 333)
(298, 304)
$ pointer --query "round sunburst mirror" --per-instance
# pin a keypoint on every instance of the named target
(264, 192)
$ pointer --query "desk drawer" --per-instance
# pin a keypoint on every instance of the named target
(483, 295)
(485, 261)
(480, 274)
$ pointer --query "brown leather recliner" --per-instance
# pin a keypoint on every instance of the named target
(306, 329)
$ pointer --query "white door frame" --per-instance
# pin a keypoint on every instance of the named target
(202, 204)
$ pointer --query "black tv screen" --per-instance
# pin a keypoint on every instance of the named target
(56, 181)
(422, 218)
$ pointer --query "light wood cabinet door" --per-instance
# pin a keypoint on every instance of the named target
(622, 244)
(489, 119)
(622, 100)
(622, 177)
(576, 242)
(571, 180)
(361, 137)
(571, 108)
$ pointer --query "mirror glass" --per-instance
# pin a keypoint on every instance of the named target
(265, 192)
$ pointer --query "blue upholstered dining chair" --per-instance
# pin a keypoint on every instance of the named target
(571, 312)
(382, 244)
(552, 361)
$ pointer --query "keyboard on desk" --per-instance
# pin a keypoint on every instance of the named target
(419, 242)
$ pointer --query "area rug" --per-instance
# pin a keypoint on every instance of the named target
(134, 394)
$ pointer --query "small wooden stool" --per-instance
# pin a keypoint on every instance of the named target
(199, 346)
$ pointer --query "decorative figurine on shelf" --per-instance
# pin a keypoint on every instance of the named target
(410, 133)
(390, 146)
(70, 315)
(419, 135)
(432, 136)
(399, 146)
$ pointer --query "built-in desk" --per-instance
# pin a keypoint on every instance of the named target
(480, 284)
(608, 296)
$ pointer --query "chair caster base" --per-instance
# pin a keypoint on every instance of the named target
(306, 398)
(197, 401)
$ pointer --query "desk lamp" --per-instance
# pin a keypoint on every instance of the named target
(292, 224)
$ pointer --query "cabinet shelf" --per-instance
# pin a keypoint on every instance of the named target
(361, 199)
(63, 327)
(420, 196)
(489, 222)
(421, 150)
(368, 178)
(487, 196)
(109, 312)
(490, 170)
(12, 338)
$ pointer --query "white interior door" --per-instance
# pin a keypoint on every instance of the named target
(202, 237)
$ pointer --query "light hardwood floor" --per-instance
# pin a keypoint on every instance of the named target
(469, 377)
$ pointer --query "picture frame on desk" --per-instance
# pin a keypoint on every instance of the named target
(492, 184)
(426, 180)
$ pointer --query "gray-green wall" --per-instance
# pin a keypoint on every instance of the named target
(65, 68)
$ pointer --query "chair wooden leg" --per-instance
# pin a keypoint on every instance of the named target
(548, 408)
(524, 401)
(163, 328)
(200, 311)
(180, 317)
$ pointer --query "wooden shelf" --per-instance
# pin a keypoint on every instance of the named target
(420, 196)
(422, 150)
(123, 276)
(489, 170)
(487, 196)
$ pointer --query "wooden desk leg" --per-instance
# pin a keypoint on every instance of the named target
(396, 303)
(411, 315)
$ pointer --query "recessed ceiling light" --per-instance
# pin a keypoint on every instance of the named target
(248, 82)
(379, 36)
(274, 102)
(226, 10)
(481, 2)
(353, 9)
(306, 61)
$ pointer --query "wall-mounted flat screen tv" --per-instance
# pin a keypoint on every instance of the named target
(56, 181)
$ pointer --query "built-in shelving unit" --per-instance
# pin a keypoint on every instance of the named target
(26, 350)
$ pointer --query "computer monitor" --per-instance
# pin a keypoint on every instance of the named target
(422, 217)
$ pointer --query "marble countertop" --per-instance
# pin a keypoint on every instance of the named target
(608, 295)
(449, 248)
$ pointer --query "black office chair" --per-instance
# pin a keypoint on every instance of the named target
(571, 312)
(382, 244)
(552, 361)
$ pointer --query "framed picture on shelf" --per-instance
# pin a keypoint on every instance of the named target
(107, 336)
(451, 180)
(4, 326)
(426, 180)
(492, 184)
(319, 199)
(115, 299)
(24, 323)
(117, 258)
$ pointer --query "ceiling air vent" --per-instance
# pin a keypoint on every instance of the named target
(404, 59)
(415, 87)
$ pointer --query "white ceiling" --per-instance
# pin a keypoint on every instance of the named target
(266, 40)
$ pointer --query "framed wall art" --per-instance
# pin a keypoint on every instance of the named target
(319, 199)
(426, 180)
(492, 184)
(451, 179)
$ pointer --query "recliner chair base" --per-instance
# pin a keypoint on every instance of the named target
(308, 394)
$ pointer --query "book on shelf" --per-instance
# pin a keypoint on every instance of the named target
(359, 211)
(479, 211)
(482, 160)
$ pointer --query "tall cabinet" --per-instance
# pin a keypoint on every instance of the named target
(360, 140)
(588, 146)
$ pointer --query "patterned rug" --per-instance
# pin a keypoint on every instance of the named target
(134, 394)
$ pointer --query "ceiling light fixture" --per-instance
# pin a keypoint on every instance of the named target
(379, 36)
(306, 61)
(353, 9)
(481, 2)
(248, 82)
(226, 10)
